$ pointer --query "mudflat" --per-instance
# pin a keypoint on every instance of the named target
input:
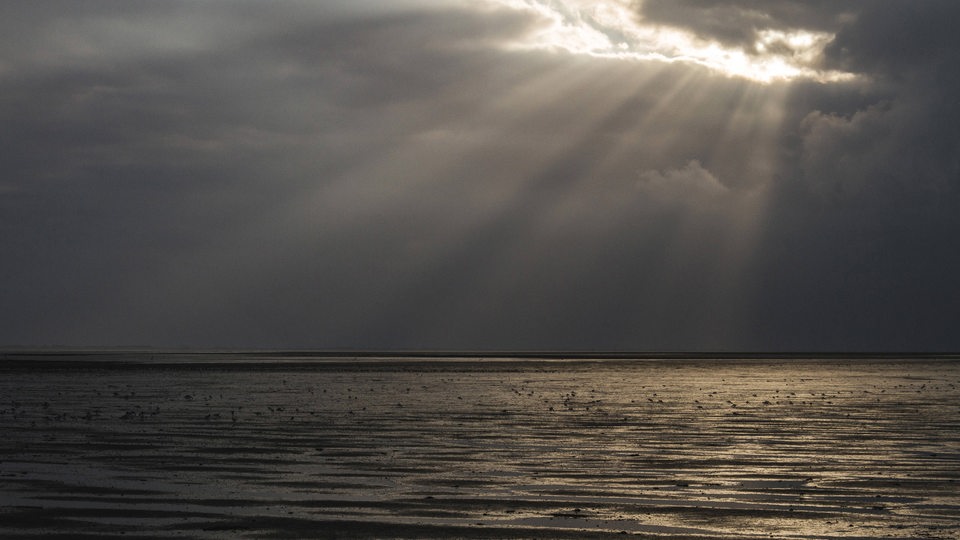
(480, 448)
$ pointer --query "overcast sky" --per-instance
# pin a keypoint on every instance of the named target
(481, 174)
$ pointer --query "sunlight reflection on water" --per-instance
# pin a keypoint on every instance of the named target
(720, 449)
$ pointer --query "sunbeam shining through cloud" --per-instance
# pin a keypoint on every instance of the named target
(480, 174)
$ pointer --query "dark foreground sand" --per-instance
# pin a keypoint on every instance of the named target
(428, 449)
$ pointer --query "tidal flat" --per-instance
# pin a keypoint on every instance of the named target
(283, 447)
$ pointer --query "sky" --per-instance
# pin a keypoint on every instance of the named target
(616, 175)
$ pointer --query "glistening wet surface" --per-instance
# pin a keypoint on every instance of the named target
(498, 449)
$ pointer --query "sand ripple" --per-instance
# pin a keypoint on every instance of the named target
(672, 449)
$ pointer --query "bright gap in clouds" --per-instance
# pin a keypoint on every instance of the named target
(614, 29)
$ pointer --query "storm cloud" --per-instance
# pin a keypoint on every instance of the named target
(441, 175)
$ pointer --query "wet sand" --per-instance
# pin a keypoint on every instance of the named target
(289, 448)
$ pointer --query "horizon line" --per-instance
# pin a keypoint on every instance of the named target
(575, 354)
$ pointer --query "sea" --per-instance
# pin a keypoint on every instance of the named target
(149, 444)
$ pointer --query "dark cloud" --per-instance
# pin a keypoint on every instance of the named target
(402, 174)
(899, 39)
(904, 136)
(859, 248)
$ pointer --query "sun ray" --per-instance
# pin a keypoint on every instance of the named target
(631, 115)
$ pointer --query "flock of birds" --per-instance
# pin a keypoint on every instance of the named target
(128, 405)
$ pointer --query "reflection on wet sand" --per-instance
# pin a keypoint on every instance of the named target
(670, 449)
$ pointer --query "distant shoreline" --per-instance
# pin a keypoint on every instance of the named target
(455, 353)
(30, 359)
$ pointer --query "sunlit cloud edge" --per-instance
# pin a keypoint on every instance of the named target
(612, 30)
